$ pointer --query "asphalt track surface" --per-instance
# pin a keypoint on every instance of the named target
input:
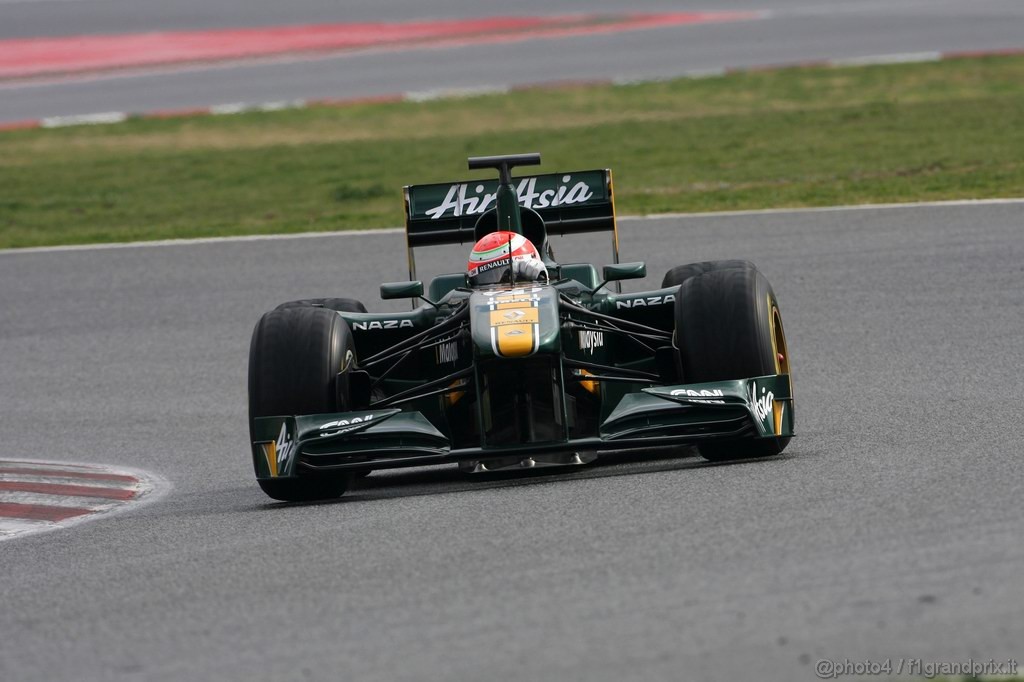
(890, 528)
(793, 31)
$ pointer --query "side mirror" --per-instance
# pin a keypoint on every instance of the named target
(621, 271)
(392, 290)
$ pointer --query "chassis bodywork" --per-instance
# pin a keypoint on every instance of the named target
(528, 371)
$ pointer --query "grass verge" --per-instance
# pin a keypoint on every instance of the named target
(788, 138)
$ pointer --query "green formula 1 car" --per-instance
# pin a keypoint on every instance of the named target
(519, 361)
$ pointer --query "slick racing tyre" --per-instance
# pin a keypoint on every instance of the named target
(342, 305)
(297, 358)
(681, 273)
(728, 326)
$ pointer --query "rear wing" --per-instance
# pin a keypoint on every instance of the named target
(568, 203)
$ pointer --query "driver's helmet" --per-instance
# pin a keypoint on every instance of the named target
(489, 260)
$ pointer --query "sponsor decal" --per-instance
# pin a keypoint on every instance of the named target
(762, 404)
(515, 298)
(464, 199)
(480, 269)
(279, 452)
(341, 426)
(589, 340)
(515, 316)
(645, 301)
(514, 340)
(702, 396)
(447, 352)
(514, 319)
(382, 324)
(283, 445)
(513, 292)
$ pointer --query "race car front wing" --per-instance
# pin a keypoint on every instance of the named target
(289, 446)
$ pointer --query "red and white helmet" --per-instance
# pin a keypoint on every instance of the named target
(489, 260)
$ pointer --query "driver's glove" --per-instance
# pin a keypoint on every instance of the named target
(530, 269)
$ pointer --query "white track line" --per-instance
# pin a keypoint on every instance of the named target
(398, 230)
(113, 117)
(66, 480)
(456, 93)
(93, 504)
(198, 240)
(27, 2)
(831, 209)
(10, 528)
(83, 119)
(880, 59)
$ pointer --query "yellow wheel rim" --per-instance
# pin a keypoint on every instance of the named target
(779, 347)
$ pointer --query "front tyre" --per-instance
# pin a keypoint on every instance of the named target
(681, 273)
(297, 358)
(343, 305)
(728, 326)
(305, 490)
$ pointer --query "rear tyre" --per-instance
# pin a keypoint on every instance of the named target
(297, 357)
(728, 326)
(342, 305)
